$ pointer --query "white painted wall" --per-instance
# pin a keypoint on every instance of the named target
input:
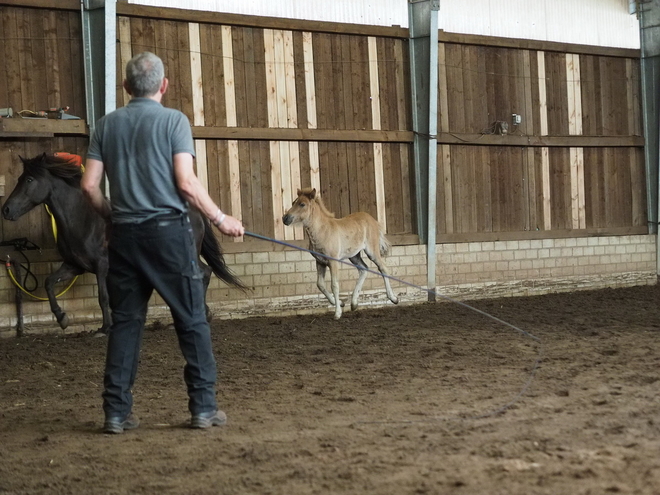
(589, 22)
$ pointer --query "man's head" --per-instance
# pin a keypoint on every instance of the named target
(145, 75)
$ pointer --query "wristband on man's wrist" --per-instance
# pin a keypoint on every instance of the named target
(219, 218)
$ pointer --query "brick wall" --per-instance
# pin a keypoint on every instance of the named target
(285, 281)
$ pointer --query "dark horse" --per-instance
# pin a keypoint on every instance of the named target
(55, 181)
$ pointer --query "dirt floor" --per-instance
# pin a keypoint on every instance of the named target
(400, 400)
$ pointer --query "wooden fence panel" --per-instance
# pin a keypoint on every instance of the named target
(246, 87)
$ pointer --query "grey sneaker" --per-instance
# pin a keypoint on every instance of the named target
(116, 425)
(208, 419)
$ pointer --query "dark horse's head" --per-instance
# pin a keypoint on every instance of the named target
(36, 182)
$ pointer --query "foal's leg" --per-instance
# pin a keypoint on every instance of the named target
(361, 266)
(320, 282)
(63, 274)
(378, 261)
(334, 280)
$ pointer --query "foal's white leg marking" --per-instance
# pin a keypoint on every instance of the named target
(334, 280)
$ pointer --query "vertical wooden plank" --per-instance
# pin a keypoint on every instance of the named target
(636, 110)
(197, 84)
(125, 54)
(310, 95)
(443, 103)
(228, 70)
(282, 121)
(546, 192)
(245, 179)
(290, 100)
(528, 112)
(446, 175)
(577, 188)
(310, 88)
(375, 119)
(574, 90)
(4, 93)
(637, 186)
(12, 62)
(248, 80)
(230, 106)
(455, 95)
(630, 103)
(543, 102)
(27, 88)
(52, 56)
(40, 65)
(404, 110)
(273, 121)
(532, 221)
(257, 188)
(271, 85)
(66, 65)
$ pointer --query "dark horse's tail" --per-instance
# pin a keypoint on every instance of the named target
(213, 257)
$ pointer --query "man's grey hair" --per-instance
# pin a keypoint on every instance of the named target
(144, 74)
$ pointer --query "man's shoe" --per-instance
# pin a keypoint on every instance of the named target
(208, 419)
(115, 424)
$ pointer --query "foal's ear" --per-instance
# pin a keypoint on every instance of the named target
(312, 195)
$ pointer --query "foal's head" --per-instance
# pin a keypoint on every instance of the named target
(303, 207)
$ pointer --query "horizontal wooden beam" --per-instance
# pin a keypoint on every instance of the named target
(171, 14)
(44, 4)
(287, 134)
(21, 127)
(538, 234)
(547, 46)
(541, 141)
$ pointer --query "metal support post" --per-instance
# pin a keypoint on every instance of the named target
(423, 19)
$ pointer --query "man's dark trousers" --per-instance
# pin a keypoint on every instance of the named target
(156, 254)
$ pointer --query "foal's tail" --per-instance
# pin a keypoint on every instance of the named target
(213, 256)
(384, 244)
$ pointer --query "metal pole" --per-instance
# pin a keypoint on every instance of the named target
(433, 148)
(99, 23)
(423, 17)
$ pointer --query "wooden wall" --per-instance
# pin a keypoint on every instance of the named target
(574, 164)
(279, 105)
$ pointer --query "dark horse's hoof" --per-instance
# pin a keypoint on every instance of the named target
(63, 321)
(100, 333)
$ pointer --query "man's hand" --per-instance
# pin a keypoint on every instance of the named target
(231, 226)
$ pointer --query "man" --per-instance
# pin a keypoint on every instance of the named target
(147, 152)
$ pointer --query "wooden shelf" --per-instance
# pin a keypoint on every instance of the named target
(20, 127)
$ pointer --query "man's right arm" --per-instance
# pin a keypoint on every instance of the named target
(91, 187)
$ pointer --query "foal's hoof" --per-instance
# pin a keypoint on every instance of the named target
(64, 321)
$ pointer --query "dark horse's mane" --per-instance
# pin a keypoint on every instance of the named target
(64, 167)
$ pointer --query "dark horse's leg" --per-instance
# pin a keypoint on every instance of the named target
(104, 300)
(63, 274)
(199, 231)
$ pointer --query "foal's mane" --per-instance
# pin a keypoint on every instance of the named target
(314, 195)
(63, 167)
